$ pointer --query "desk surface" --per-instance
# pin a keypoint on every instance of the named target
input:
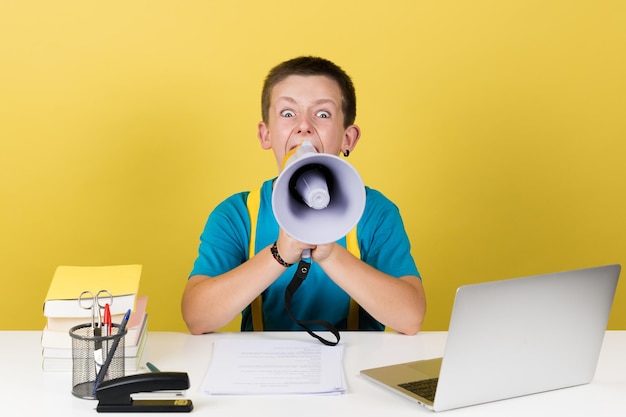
(24, 387)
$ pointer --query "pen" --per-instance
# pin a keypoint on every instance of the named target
(103, 370)
(152, 368)
(106, 320)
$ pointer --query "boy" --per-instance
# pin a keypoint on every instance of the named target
(305, 98)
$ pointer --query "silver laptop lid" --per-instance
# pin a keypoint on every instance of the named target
(526, 335)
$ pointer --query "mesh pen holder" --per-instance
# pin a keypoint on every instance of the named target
(89, 353)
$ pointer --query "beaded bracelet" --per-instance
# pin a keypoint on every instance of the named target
(276, 256)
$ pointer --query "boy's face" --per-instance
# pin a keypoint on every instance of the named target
(306, 108)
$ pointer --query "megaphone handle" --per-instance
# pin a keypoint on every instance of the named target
(306, 254)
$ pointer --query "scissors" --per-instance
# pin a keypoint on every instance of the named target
(87, 301)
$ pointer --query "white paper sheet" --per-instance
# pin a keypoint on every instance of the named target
(266, 367)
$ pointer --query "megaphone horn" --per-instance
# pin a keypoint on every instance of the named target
(318, 198)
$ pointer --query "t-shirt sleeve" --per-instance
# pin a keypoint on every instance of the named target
(384, 240)
(224, 240)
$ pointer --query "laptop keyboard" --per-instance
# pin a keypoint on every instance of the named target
(424, 388)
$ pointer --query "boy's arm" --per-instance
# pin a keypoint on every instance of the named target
(209, 303)
(398, 303)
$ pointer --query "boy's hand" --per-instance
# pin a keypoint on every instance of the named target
(291, 249)
(322, 252)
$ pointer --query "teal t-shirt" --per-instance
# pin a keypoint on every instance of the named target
(382, 240)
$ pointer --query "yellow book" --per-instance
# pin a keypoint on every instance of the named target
(68, 282)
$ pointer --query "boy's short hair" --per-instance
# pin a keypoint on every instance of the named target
(311, 65)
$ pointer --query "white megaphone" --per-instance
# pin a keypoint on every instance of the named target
(318, 198)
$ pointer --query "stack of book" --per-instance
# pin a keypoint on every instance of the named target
(63, 311)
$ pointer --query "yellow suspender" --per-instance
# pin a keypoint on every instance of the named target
(352, 244)
(256, 308)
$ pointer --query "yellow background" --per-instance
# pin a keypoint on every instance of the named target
(498, 128)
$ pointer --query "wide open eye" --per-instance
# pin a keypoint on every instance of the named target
(323, 114)
(287, 113)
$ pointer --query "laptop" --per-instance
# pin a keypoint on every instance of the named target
(511, 338)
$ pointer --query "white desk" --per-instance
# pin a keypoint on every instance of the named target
(26, 389)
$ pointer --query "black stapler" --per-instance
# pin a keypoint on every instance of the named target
(115, 395)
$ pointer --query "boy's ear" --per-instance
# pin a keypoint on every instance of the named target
(351, 138)
(264, 136)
